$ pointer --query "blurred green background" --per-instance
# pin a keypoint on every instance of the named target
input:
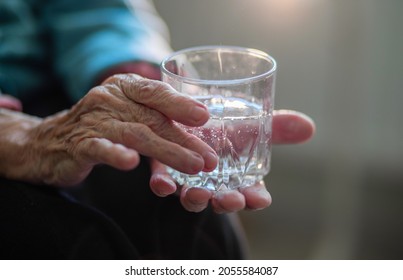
(339, 196)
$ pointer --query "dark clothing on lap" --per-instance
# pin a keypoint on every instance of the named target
(111, 216)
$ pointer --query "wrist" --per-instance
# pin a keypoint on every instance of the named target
(16, 159)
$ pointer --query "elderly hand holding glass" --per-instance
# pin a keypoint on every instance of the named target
(237, 87)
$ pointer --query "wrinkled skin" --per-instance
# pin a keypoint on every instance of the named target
(117, 121)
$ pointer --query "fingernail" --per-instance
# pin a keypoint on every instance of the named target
(197, 164)
(210, 161)
(199, 114)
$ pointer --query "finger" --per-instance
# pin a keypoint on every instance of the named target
(195, 199)
(163, 98)
(191, 142)
(9, 102)
(161, 183)
(141, 138)
(100, 150)
(170, 145)
(228, 201)
(290, 127)
(256, 197)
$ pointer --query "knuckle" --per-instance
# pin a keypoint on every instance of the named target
(110, 80)
(121, 79)
(127, 83)
(124, 83)
(149, 91)
(95, 96)
(101, 103)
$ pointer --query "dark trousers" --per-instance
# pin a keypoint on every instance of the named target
(111, 215)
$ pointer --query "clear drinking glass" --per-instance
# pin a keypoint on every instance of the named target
(237, 86)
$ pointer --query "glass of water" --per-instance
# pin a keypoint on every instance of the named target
(237, 86)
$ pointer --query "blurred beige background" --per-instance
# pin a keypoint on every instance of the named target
(339, 196)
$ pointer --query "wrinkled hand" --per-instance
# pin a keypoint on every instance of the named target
(115, 122)
(289, 127)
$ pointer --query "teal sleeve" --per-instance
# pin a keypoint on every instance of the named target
(21, 48)
(89, 36)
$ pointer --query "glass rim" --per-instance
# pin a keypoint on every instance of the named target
(250, 51)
